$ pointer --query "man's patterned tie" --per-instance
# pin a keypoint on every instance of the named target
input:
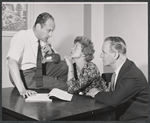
(39, 73)
(113, 81)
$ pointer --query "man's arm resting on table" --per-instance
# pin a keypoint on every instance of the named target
(15, 74)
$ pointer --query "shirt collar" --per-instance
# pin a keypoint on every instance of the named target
(118, 69)
(33, 36)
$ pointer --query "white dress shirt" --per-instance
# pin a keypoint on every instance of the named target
(23, 48)
(117, 72)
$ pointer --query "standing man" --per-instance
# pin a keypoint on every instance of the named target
(128, 86)
(29, 48)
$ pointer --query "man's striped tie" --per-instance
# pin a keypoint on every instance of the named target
(113, 81)
(39, 73)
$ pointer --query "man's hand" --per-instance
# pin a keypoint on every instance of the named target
(27, 93)
(47, 49)
(92, 92)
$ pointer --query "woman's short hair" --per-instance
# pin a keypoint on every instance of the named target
(87, 47)
(42, 18)
(117, 43)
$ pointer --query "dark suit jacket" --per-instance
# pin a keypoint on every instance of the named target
(131, 91)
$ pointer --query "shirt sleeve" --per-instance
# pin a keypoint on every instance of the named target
(88, 74)
(16, 47)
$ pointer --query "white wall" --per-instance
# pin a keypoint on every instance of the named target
(5, 75)
(129, 21)
(93, 29)
(97, 32)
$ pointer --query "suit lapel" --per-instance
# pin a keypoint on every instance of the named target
(122, 71)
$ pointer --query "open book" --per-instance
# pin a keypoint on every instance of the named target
(59, 94)
(53, 94)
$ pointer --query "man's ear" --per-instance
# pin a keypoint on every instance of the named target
(117, 55)
(38, 26)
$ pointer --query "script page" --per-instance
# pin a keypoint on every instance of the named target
(38, 97)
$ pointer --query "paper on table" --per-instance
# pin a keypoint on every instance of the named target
(38, 97)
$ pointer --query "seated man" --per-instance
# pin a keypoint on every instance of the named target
(129, 86)
(28, 50)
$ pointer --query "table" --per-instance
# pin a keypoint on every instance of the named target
(81, 108)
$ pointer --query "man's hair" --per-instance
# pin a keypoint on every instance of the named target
(117, 43)
(42, 18)
(87, 47)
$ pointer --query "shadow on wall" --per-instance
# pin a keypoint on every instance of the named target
(64, 47)
(144, 69)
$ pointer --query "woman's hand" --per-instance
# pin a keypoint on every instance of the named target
(69, 61)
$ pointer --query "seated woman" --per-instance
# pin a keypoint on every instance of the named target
(88, 75)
